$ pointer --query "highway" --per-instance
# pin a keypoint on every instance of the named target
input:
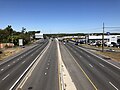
(12, 69)
(45, 74)
(87, 70)
(100, 74)
(78, 77)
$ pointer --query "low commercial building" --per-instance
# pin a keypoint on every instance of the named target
(107, 38)
(38, 35)
(3, 45)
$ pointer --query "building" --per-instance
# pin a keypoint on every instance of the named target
(38, 35)
(107, 38)
(3, 45)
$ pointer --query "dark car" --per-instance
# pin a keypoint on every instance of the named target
(115, 44)
(76, 43)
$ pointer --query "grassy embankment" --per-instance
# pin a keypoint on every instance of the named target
(8, 52)
(113, 55)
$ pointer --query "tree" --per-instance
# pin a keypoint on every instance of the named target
(9, 30)
(23, 30)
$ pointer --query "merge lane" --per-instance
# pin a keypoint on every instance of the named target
(100, 75)
(45, 74)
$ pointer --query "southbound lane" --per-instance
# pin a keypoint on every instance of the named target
(12, 69)
(77, 75)
(103, 75)
(45, 74)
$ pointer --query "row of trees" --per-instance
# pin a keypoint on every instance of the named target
(8, 35)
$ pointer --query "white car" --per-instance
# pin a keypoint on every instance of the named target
(109, 44)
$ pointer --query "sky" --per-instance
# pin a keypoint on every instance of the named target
(61, 16)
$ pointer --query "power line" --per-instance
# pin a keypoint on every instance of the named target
(112, 27)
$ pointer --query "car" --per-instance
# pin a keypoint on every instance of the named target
(110, 50)
(108, 44)
(115, 44)
(76, 43)
(23, 46)
(93, 44)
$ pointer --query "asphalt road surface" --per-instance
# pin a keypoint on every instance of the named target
(45, 74)
(12, 69)
(87, 71)
(78, 77)
(101, 75)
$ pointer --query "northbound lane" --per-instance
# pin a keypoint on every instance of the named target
(103, 75)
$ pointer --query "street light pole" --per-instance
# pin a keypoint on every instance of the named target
(103, 38)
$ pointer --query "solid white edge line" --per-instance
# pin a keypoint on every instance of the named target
(31, 69)
(26, 70)
(100, 58)
(113, 86)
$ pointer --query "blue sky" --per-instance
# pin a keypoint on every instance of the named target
(60, 16)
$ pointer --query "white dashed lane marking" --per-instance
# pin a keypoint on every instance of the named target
(90, 65)
(80, 56)
(113, 86)
(2, 69)
(23, 62)
(45, 73)
(5, 77)
(102, 65)
(47, 68)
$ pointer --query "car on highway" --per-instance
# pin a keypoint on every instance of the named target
(110, 50)
(76, 43)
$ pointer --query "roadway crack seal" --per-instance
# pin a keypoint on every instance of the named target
(29, 70)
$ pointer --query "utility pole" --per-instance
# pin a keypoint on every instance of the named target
(12, 39)
(103, 38)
